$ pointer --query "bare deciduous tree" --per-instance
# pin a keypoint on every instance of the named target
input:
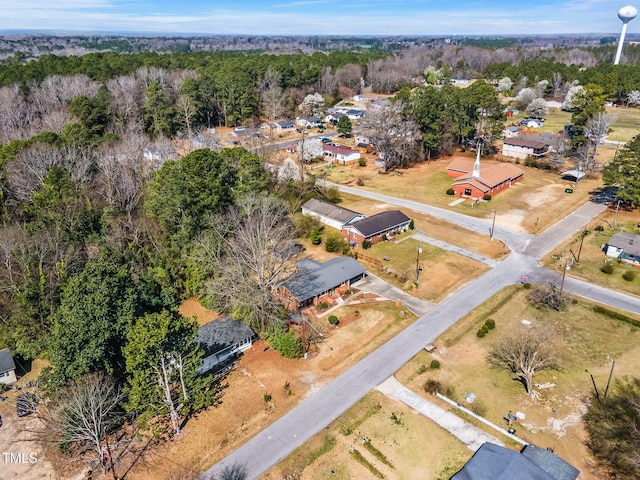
(257, 256)
(525, 353)
(311, 105)
(392, 134)
(27, 171)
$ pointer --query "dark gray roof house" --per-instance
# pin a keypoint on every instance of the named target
(223, 338)
(625, 246)
(7, 367)
(493, 462)
(314, 279)
(380, 223)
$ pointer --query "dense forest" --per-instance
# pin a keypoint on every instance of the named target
(99, 246)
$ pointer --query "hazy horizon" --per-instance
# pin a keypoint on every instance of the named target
(312, 17)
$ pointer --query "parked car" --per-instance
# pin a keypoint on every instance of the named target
(26, 404)
(325, 140)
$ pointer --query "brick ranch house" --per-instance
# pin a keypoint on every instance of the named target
(316, 282)
(492, 179)
(375, 227)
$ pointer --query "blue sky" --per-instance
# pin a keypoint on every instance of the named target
(316, 17)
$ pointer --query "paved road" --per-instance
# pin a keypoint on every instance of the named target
(313, 414)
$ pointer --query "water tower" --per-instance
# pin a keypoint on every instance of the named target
(626, 14)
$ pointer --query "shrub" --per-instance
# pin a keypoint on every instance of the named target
(599, 228)
(481, 333)
(266, 397)
(315, 236)
(451, 191)
(412, 225)
(422, 369)
(334, 243)
(384, 237)
(629, 275)
(490, 323)
(362, 162)
(435, 364)
(322, 306)
(432, 386)
(486, 197)
(333, 320)
(366, 244)
(526, 286)
(607, 268)
(287, 343)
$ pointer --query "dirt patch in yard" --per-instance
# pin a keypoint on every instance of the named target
(244, 411)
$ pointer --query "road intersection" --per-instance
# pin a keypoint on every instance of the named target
(309, 417)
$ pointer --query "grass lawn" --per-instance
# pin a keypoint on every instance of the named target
(395, 441)
(592, 258)
(585, 339)
(442, 272)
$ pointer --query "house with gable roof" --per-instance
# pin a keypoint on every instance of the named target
(340, 153)
(494, 462)
(7, 367)
(316, 282)
(222, 339)
(329, 213)
(376, 227)
(522, 148)
(625, 247)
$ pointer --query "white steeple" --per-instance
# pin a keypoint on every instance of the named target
(476, 165)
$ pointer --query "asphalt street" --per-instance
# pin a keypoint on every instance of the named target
(316, 412)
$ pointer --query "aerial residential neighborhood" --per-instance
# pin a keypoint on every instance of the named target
(312, 244)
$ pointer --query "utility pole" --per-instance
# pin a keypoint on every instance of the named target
(564, 273)
(613, 364)
(615, 218)
(584, 234)
(418, 264)
(493, 225)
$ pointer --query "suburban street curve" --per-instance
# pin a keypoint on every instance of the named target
(316, 412)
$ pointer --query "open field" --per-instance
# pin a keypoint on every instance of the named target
(243, 412)
(592, 257)
(532, 205)
(585, 340)
(412, 445)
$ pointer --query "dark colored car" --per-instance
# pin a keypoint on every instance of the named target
(26, 404)
(325, 140)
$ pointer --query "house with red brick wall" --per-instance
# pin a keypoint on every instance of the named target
(491, 179)
(375, 227)
(316, 282)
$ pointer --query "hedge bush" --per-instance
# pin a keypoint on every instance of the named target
(435, 364)
(607, 268)
(322, 306)
(432, 386)
(487, 197)
(490, 323)
(481, 333)
(451, 191)
(366, 244)
(287, 343)
(629, 275)
(333, 320)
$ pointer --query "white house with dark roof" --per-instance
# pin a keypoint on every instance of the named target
(340, 153)
(625, 247)
(376, 227)
(284, 126)
(309, 122)
(522, 148)
(222, 339)
(330, 213)
(316, 282)
(7, 367)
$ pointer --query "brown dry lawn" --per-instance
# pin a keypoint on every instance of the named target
(243, 412)
(592, 257)
(585, 340)
(532, 205)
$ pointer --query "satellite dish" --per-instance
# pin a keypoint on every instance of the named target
(627, 13)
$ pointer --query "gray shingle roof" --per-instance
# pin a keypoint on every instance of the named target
(628, 242)
(222, 333)
(550, 463)
(334, 212)
(523, 142)
(6, 361)
(313, 278)
(492, 462)
(380, 222)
